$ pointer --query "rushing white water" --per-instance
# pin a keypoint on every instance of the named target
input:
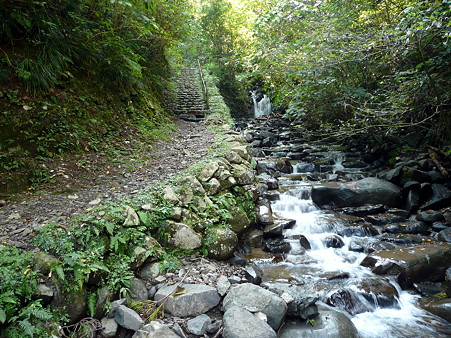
(403, 320)
(262, 107)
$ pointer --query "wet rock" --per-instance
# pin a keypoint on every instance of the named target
(413, 227)
(128, 318)
(349, 301)
(447, 283)
(357, 193)
(302, 304)
(365, 210)
(382, 219)
(393, 175)
(240, 323)
(437, 306)
(412, 201)
(198, 325)
(418, 263)
(254, 238)
(445, 235)
(277, 228)
(334, 241)
(137, 290)
(277, 245)
(222, 243)
(447, 216)
(155, 330)
(296, 156)
(182, 236)
(197, 300)
(430, 216)
(256, 299)
(439, 226)
(109, 327)
(304, 242)
(440, 198)
(428, 289)
(284, 167)
(253, 274)
(329, 324)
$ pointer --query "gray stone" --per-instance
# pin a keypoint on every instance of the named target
(303, 299)
(440, 198)
(198, 325)
(182, 236)
(45, 291)
(103, 299)
(109, 327)
(257, 299)
(222, 285)
(194, 184)
(357, 193)
(155, 330)
(430, 216)
(213, 186)
(150, 271)
(44, 263)
(128, 318)
(222, 243)
(197, 300)
(437, 306)
(240, 323)
(186, 195)
(208, 171)
(330, 324)
(169, 194)
(140, 255)
(132, 218)
(137, 290)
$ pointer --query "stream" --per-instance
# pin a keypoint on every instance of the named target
(326, 247)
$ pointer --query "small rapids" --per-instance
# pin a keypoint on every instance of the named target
(328, 255)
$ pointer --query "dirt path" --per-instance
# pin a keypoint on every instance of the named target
(84, 182)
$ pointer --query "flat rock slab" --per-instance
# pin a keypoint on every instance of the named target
(240, 323)
(198, 299)
(418, 263)
(357, 193)
(256, 299)
(128, 318)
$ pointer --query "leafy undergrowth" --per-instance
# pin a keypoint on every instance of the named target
(39, 131)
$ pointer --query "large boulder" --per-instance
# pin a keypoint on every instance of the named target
(438, 306)
(329, 324)
(222, 243)
(357, 193)
(197, 299)
(73, 303)
(256, 299)
(418, 263)
(240, 323)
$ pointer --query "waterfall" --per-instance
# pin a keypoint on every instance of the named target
(262, 107)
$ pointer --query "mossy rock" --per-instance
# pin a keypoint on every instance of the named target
(222, 243)
(239, 220)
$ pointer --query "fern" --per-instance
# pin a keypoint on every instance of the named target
(92, 301)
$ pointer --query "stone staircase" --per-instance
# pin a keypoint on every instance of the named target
(190, 103)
